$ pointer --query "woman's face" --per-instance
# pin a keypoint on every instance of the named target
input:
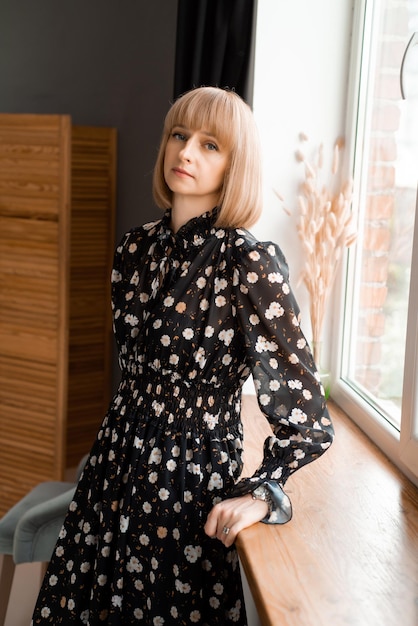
(195, 164)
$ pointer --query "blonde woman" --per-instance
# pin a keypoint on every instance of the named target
(198, 306)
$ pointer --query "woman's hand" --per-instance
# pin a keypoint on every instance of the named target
(229, 517)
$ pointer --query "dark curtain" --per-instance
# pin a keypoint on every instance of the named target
(213, 44)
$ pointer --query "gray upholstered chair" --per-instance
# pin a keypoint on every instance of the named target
(29, 530)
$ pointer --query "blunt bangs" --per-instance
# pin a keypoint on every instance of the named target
(209, 109)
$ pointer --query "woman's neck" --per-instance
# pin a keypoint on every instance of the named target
(185, 209)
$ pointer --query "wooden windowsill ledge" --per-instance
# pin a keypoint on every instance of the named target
(349, 556)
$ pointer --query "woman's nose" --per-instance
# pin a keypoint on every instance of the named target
(187, 150)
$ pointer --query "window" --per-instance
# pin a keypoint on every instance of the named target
(378, 361)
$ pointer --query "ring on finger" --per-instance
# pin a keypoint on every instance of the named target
(225, 530)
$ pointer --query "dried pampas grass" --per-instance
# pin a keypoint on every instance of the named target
(325, 227)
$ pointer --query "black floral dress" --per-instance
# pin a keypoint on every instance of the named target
(194, 314)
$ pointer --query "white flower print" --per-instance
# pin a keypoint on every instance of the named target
(204, 304)
(84, 567)
(192, 553)
(307, 395)
(297, 416)
(277, 474)
(102, 580)
(226, 336)
(275, 277)
(215, 481)
(201, 282)
(252, 277)
(53, 580)
(143, 297)
(174, 359)
(71, 605)
(226, 359)
(264, 399)
(157, 324)
(153, 477)
(274, 385)
(171, 465)
(220, 301)
(188, 333)
(218, 588)
(144, 539)
(124, 523)
(138, 614)
(254, 255)
(129, 295)
(117, 601)
(214, 602)
(211, 420)
(116, 276)
(133, 248)
(263, 345)
(146, 507)
(187, 496)
(293, 358)
(274, 364)
(209, 330)
(220, 284)
(45, 612)
(169, 301)
(301, 343)
(158, 621)
(199, 357)
(285, 288)
(165, 340)
(163, 494)
(294, 384)
(182, 587)
(274, 310)
(299, 454)
(234, 613)
(254, 319)
(135, 278)
(155, 456)
(132, 320)
(195, 617)
(271, 250)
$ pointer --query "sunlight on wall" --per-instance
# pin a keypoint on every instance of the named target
(300, 84)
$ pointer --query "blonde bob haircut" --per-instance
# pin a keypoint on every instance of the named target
(226, 116)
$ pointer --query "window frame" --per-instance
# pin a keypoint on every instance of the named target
(401, 448)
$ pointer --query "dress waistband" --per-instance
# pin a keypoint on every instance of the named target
(181, 404)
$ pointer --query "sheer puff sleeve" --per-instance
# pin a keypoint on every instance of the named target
(286, 381)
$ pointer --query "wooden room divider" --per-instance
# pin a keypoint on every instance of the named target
(57, 213)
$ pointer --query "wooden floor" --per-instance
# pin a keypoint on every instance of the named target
(349, 556)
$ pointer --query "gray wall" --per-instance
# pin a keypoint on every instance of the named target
(104, 62)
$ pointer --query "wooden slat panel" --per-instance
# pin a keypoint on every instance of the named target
(57, 198)
(92, 243)
(34, 200)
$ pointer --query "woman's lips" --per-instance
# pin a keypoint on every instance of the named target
(181, 172)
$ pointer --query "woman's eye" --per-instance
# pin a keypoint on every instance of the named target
(178, 136)
(211, 146)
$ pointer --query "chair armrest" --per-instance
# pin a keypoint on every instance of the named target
(38, 529)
